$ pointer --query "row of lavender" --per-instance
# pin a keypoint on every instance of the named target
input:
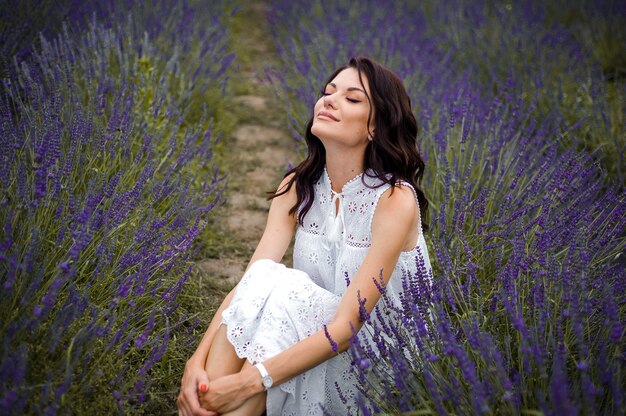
(106, 146)
(521, 110)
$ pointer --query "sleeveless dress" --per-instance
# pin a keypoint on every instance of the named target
(274, 306)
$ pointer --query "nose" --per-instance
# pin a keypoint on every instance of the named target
(329, 101)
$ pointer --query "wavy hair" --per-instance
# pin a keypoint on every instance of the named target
(390, 156)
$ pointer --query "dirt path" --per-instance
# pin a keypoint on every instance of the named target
(259, 149)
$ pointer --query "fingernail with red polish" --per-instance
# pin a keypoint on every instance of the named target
(203, 388)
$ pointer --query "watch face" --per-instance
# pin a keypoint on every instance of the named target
(267, 382)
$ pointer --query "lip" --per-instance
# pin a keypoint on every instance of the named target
(327, 115)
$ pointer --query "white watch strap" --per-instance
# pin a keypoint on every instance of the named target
(261, 369)
(265, 377)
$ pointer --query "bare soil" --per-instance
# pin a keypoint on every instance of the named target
(258, 151)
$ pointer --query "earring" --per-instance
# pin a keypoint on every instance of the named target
(370, 137)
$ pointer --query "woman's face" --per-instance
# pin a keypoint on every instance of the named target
(341, 114)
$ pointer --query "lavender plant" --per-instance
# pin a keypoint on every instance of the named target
(107, 178)
(22, 22)
(520, 124)
(527, 307)
(559, 58)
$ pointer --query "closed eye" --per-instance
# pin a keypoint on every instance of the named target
(352, 100)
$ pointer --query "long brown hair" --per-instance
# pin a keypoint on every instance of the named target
(390, 156)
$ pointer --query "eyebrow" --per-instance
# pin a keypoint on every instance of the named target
(332, 84)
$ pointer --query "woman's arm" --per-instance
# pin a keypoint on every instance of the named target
(278, 232)
(393, 230)
(279, 228)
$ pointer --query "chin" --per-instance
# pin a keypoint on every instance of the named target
(317, 132)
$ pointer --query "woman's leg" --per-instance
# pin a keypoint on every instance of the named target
(255, 405)
(222, 359)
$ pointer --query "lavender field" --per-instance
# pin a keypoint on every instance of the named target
(114, 129)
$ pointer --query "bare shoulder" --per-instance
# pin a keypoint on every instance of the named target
(284, 184)
(398, 202)
(396, 219)
(286, 194)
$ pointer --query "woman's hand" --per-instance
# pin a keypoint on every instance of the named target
(227, 393)
(193, 382)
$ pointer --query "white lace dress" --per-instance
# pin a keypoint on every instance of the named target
(274, 306)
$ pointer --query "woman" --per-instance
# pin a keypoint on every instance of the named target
(275, 343)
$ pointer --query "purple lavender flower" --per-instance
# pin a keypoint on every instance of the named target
(332, 342)
(364, 315)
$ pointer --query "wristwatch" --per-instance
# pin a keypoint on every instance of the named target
(266, 379)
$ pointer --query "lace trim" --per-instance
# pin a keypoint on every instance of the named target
(358, 244)
(309, 231)
(350, 241)
(346, 186)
